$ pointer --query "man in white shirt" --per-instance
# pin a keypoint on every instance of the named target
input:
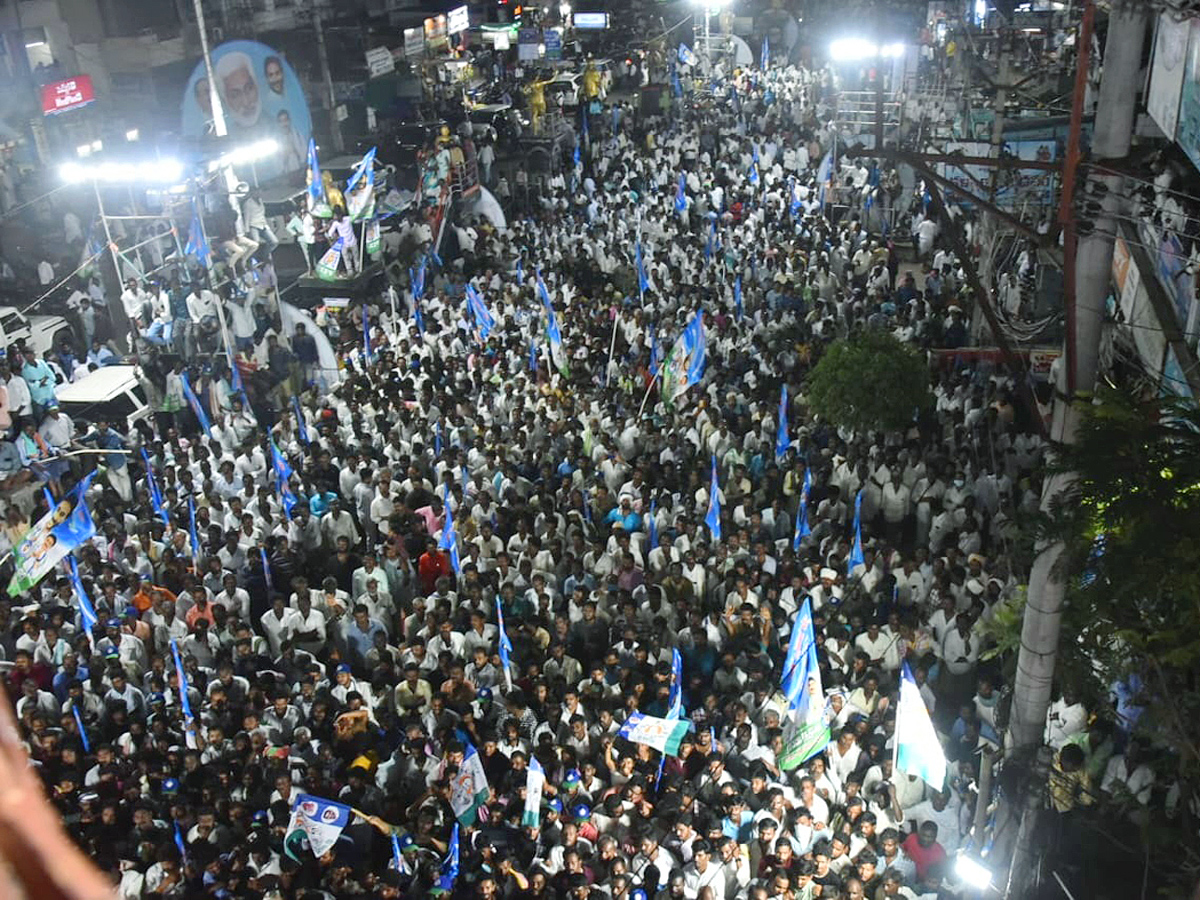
(702, 873)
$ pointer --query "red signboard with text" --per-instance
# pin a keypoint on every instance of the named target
(71, 93)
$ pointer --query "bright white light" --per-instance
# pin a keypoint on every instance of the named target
(541, 49)
(973, 872)
(852, 49)
(83, 150)
(247, 154)
(889, 51)
(159, 171)
(97, 146)
(131, 134)
(33, 44)
(564, 9)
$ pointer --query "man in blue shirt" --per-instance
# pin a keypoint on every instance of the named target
(40, 378)
(115, 463)
(360, 633)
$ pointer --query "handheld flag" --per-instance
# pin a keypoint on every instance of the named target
(437, 438)
(558, 353)
(266, 567)
(185, 704)
(505, 645)
(681, 194)
(327, 265)
(83, 736)
(675, 697)
(358, 201)
(713, 517)
(640, 265)
(664, 735)
(782, 441)
(794, 191)
(63, 528)
(652, 524)
(180, 844)
(366, 317)
(687, 360)
(156, 498)
(766, 54)
(195, 404)
(802, 527)
(283, 474)
(806, 733)
(856, 552)
(197, 244)
(319, 820)
(483, 317)
(754, 174)
(318, 203)
(87, 612)
(535, 780)
(533, 355)
(469, 789)
(301, 425)
(655, 352)
(449, 870)
(918, 750)
(710, 240)
(686, 56)
(737, 298)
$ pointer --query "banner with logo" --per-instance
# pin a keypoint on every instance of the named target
(321, 821)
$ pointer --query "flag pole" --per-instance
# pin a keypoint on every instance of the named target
(612, 344)
(649, 388)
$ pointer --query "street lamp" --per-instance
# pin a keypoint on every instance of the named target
(710, 6)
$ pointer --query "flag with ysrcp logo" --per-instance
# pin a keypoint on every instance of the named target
(535, 780)
(918, 750)
(321, 821)
(664, 735)
(468, 788)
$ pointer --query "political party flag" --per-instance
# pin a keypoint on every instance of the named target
(185, 704)
(664, 735)
(782, 441)
(505, 643)
(640, 265)
(195, 404)
(197, 244)
(449, 541)
(802, 527)
(483, 317)
(737, 298)
(320, 821)
(87, 612)
(469, 788)
(192, 535)
(754, 174)
(710, 241)
(366, 317)
(236, 385)
(681, 194)
(805, 733)
(686, 56)
(675, 695)
(180, 844)
(766, 53)
(535, 780)
(283, 474)
(575, 155)
(83, 735)
(374, 238)
(364, 169)
(794, 192)
(63, 528)
(449, 870)
(856, 552)
(318, 203)
(533, 355)
(398, 857)
(713, 517)
(918, 750)
(301, 424)
(266, 568)
(417, 279)
(687, 359)
(652, 525)
(327, 265)
(437, 438)
(156, 498)
(558, 353)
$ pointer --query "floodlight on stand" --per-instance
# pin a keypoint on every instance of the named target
(249, 153)
(891, 51)
(973, 872)
(132, 135)
(156, 171)
(83, 150)
(852, 49)
(97, 146)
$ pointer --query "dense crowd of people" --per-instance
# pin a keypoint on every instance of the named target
(332, 647)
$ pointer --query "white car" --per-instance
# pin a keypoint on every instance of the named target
(38, 332)
(116, 394)
(567, 87)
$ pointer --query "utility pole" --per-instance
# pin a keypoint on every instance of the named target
(1092, 262)
(1003, 54)
(335, 127)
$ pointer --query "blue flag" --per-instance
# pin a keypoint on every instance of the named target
(575, 155)
(483, 317)
(266, 567)
(675, 695)
(533, 355)
(316, 187)
(504, 643)
(856, 552)
(179, 843)
(754, 174)
(87, 613)
(365, 167)
(301, 425)
(156, 498)
(652, 524)
(366, 334)
(681, 194)
(449, 870)
(283, 474)
(197, 244)
(802, 527)
(782, 441)
(194, 403)
(83, 736)
(766, 54)
(686, 56)
(437, 438)
(185, 704)
(676, 84)
(639, 263)
(737, 298)
(449, 541)
(713, 517)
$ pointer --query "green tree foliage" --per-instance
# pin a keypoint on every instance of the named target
(869, 382)
(1131, 527)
